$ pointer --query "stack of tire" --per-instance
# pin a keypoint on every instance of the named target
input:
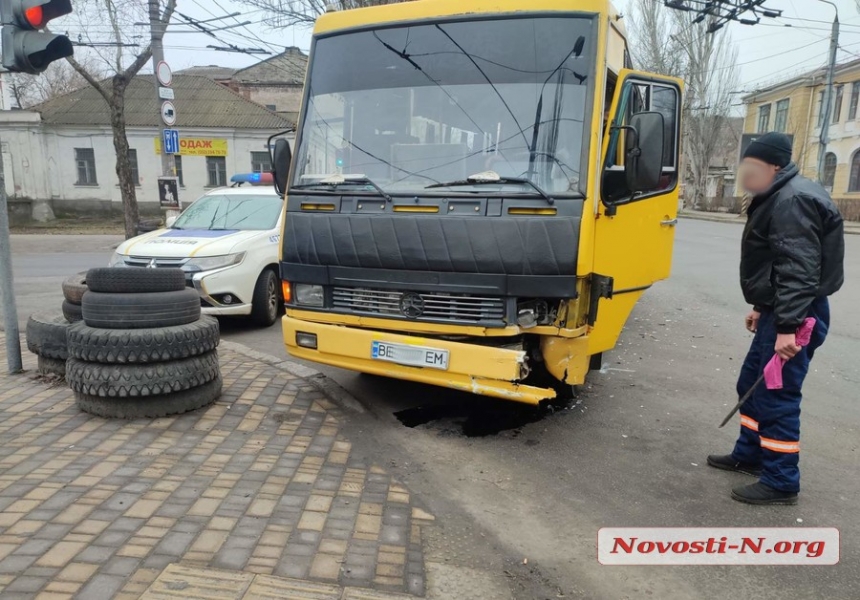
(46, 333)
(143, 350)
(74, 289)
(46, 338)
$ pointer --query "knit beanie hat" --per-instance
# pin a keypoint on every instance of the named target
(772, 148)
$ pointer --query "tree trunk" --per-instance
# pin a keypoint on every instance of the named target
(127, 184)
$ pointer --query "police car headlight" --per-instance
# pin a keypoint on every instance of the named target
(309, 295)
(210, 263)
(117, 260)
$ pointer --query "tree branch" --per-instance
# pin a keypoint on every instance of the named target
(114, 23)
(168, 13)
(90, 79)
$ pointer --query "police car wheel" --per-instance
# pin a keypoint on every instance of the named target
(267, 299)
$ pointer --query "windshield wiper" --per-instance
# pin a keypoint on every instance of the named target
(335, 180)
(491, 177)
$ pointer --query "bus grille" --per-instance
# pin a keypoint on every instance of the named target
(420, 306)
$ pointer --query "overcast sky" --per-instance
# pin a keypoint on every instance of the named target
(773, 50)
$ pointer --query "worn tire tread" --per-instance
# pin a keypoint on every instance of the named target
(153, 407)
(137, 346)
(134, 381)
(74, 288)
(72, 312)
(118, 280)
(141, 310)
(46, 335)
(51, 367)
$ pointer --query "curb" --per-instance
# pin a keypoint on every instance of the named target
(851, 228)
(327, 386)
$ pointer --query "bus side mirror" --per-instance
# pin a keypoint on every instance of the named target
(282, 158)
(644, 162)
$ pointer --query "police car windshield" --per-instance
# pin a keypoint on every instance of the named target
(232, 212)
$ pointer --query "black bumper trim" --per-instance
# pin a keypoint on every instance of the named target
(521, 286)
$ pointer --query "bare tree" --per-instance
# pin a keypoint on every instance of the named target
(654, 48)
(59, 78)
(121, 66)
(670, 43)
(286, 13)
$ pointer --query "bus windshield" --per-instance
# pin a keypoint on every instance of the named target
(408, 107)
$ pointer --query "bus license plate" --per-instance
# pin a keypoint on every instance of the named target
(413, 356)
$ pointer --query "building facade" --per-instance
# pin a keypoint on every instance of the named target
(60, 158)
(276, 83)
(796, 107)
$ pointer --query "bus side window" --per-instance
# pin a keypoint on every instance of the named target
(642, 97)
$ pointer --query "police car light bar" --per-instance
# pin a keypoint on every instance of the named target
(254, 178)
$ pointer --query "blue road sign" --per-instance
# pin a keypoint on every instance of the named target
(171, 141)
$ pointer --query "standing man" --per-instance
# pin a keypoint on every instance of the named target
(791, 261)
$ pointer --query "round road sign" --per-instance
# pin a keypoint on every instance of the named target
(164, 74)
(168, 114)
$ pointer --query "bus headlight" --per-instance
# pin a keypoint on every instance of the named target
(309, 295)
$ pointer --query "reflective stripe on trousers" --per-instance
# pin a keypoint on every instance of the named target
(770, 419)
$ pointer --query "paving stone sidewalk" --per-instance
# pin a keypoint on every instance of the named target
(260, 484)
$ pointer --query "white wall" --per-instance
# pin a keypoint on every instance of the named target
(44, 166)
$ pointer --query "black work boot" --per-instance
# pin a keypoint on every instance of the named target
(759, 493)
(727, 463)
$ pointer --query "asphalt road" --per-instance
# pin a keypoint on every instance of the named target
(631, 453)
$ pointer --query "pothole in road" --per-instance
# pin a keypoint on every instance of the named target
(478, 418)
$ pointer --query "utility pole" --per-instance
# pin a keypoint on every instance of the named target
(157, 31)
(827, 106)
(7, 286)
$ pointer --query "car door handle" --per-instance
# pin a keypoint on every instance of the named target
(669, 223)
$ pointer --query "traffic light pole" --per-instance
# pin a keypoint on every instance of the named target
(7, 287)
(157, 30)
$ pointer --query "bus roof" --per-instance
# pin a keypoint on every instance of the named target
(430, 9)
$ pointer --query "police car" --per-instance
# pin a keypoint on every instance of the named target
(227, 243)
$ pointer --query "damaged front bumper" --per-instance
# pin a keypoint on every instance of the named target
(485, 370)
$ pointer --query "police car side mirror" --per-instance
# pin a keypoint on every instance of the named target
(282, 157)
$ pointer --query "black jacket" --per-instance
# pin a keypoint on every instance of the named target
(793, 249)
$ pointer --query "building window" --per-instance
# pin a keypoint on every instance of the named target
(764, 118)
(85, 159)
(829, 170)
(780, 122)
(216, 167)
(261, 162)
(135, 173)
(178, 168)
(854, 182)
(820, 108)
(272, 107)
(855, 98)
(837, 104)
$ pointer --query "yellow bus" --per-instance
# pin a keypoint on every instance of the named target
(480, 192)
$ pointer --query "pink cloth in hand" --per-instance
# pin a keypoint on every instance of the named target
(773, 370)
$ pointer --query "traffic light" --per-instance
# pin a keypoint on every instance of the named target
(25, 49)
